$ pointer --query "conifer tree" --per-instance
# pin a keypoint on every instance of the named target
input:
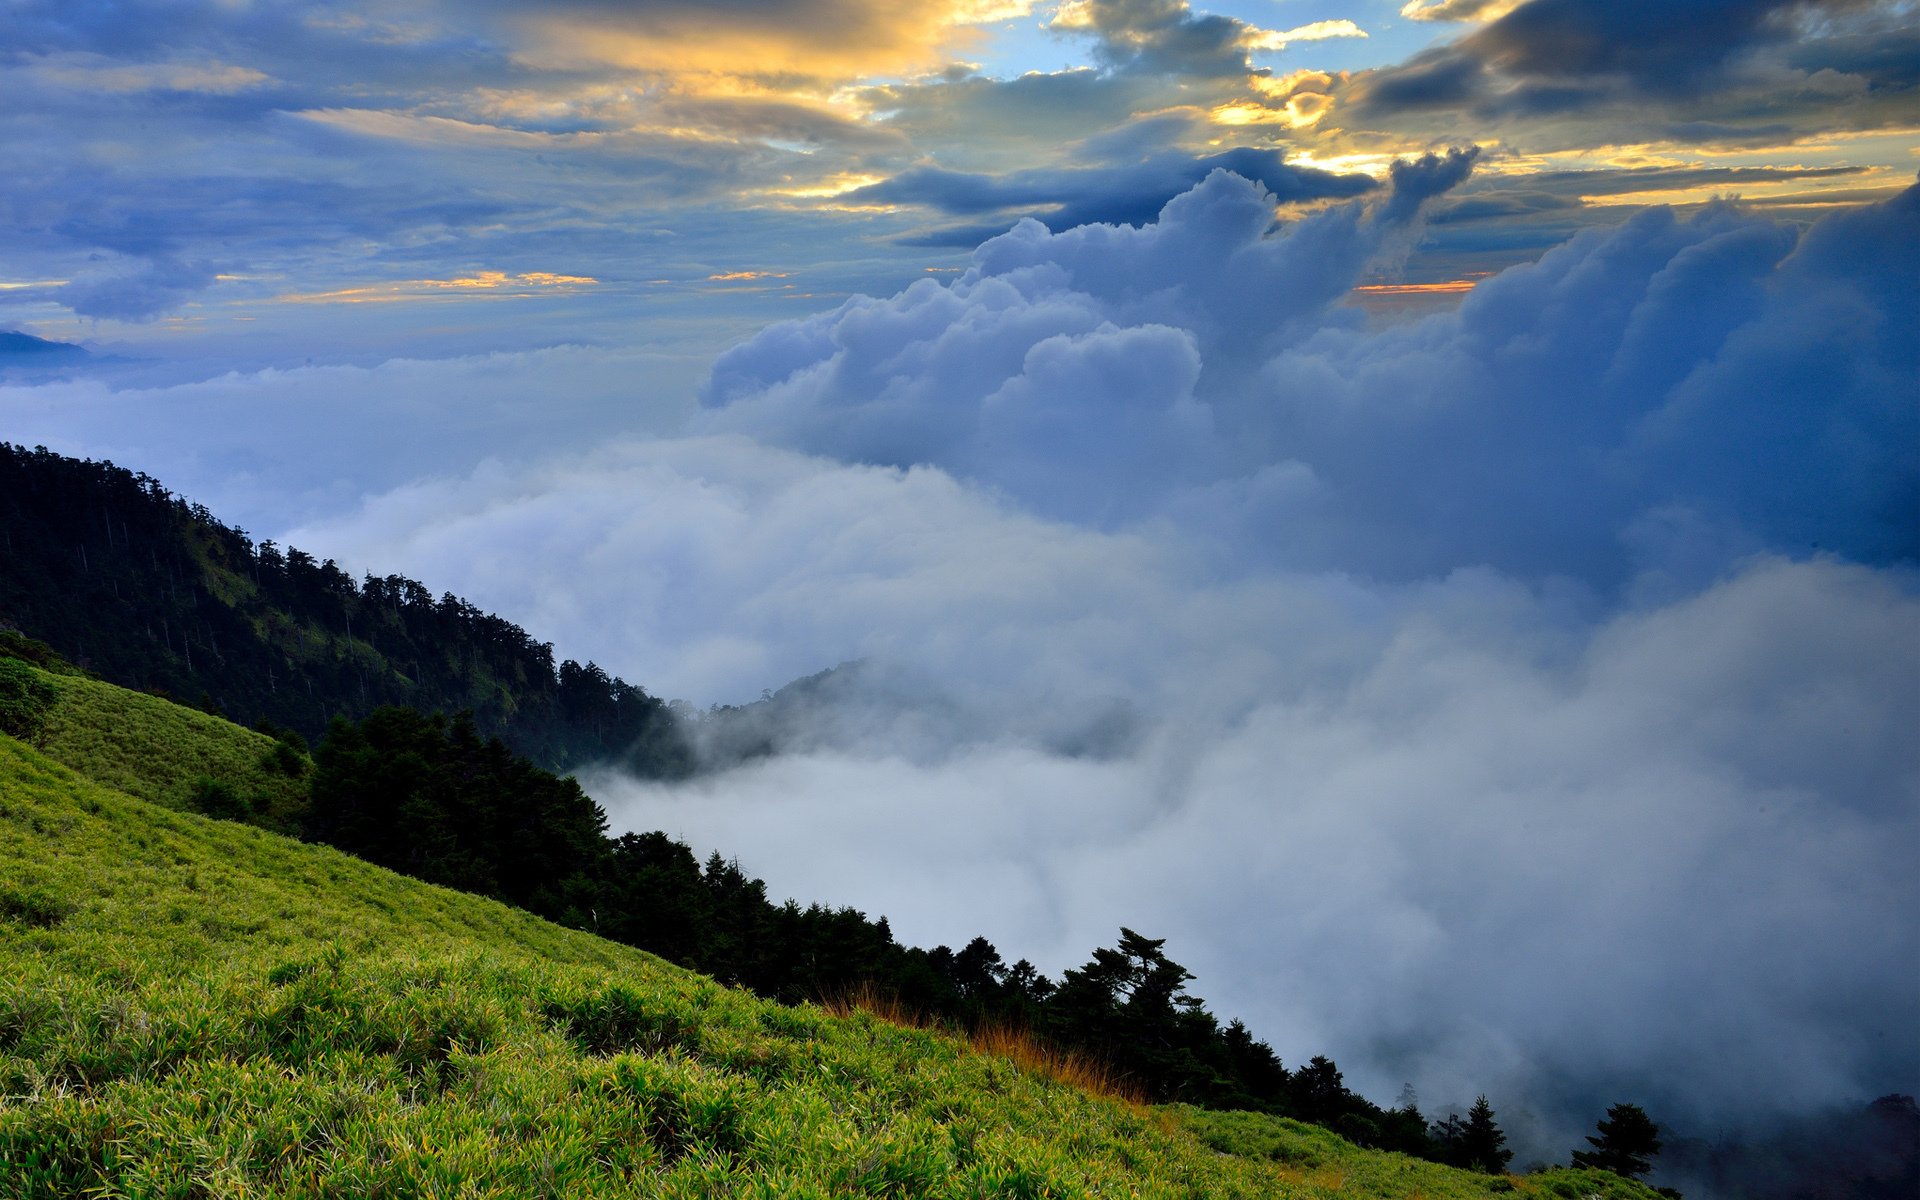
(1483, 1147)
(1628, 1139)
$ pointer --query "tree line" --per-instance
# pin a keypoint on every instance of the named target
(145, 590)
(431, 797)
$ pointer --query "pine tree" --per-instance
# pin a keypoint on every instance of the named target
(1628, 1139)
(1482, 1146)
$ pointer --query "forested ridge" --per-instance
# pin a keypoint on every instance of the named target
(146, 590)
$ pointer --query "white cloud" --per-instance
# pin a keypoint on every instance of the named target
(1318, 31)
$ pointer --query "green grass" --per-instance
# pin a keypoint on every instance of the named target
(199, 1008)
(159, 751)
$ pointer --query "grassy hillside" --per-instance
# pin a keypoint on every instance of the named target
(146, 747)
(191, 1007)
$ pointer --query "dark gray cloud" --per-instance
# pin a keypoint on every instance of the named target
(1133, 194)
(1700, 70)
(135, 290)
(1165, 37)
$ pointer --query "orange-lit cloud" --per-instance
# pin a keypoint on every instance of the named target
(731, 276)
(1458, 10)
(497, 284)
(792, 40)
(104, 75)
(1442, 288)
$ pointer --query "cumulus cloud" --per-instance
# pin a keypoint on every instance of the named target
(1204, 365)
(1052, 336)
(1467, 697)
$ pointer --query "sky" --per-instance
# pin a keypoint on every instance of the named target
(1414, 503)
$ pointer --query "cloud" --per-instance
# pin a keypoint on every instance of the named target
(831, 38)
(499, 283)
(135, 289)
(1612, 869)
(1496, 699)
(1570, 72)
(1318, 31)
(1133, 194)
(1458, 10)
(1097, 327)
(1457, 833)
(1216, 352)
(272, 448)
(1166, 37)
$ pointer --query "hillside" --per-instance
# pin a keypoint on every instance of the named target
(150, 592)
(199, 1007)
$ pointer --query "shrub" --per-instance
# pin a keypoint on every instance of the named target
(26, 697)
(33, 906)
(217, 798)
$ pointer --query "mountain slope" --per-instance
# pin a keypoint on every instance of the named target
(197, 1007)
(141, 588)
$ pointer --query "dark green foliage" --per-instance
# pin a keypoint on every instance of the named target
(430, 797)
(289, 753)
(620, 1019)
(285, 759)
(1129, 1006)
(14, 644)
(217, 798)
(1626, 1143)
(1476, 1144)
(32, 906)
(26, 697)
(147, 591)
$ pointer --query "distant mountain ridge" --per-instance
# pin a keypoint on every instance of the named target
(145, 590)
(17, 345)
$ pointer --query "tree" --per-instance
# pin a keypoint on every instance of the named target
(1627, 1142)
(1319, 1094)
(1482, 1147)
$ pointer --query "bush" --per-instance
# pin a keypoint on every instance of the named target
(217, 798)
(33, 906)
(26, 697)
(14, 644)
(285, 759)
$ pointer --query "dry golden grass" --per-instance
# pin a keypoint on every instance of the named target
(1019, 1046)
(1038, 1057)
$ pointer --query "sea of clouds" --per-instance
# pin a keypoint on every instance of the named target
(1518, 699)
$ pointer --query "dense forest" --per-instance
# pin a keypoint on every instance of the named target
(145, 590)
